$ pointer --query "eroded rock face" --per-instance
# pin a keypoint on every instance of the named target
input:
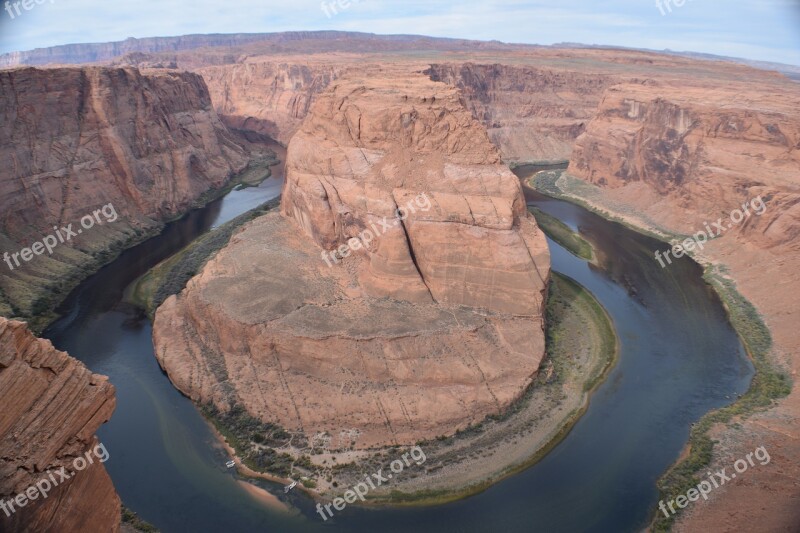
(271, 98)
(685, 155)
(531, 113)
(76, 139)
(425, 329)
(52, 407)
(370, 149)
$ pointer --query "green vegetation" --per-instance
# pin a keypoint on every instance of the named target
(257, 170)
(769, 384)
(562, 234)
(560, 164)
(558, 184)
(246, 434)
(170, 276)
(133, 520)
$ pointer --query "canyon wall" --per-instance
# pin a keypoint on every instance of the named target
(684, 155)
(77, 139)
(430, 322)
(267, 97)
(52, 407)
(531, 113)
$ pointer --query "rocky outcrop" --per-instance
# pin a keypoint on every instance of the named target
(423, 326)
(531, 113)
(52, 407)
(271, 98)
(75, 140)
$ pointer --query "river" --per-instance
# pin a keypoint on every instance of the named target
(679, 358)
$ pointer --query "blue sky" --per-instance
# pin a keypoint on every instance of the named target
(756, 29)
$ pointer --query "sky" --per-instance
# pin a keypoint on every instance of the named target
(768, 30)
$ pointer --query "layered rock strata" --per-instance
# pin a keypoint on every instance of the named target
(267, 97)
(427, 324)
(685, 155)
(531, 113)
(52, 407)
(77, 139)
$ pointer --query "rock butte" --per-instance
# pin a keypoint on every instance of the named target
(432, 326)
(52, 406)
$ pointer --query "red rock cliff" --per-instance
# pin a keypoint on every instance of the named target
(268, 97)
(75, 139)
(684, 154)
(52, 407)
(531, 113)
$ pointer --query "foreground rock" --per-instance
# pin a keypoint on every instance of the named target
(77, 139)
(52, 407)
(431, 323)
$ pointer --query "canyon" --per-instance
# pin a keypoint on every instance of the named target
(52, 407)
(663, 142)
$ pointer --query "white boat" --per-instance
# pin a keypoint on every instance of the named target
(287, 488)
(230, 464)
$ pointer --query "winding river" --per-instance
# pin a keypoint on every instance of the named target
(679, 358)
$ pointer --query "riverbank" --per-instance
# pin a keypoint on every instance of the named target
(770, 382)
(581, 349)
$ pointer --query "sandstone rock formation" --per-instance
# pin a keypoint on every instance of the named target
(684, 155)
(271, 98)
(531, 113)
(76, 139)
(52, 407)
(426, 327)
